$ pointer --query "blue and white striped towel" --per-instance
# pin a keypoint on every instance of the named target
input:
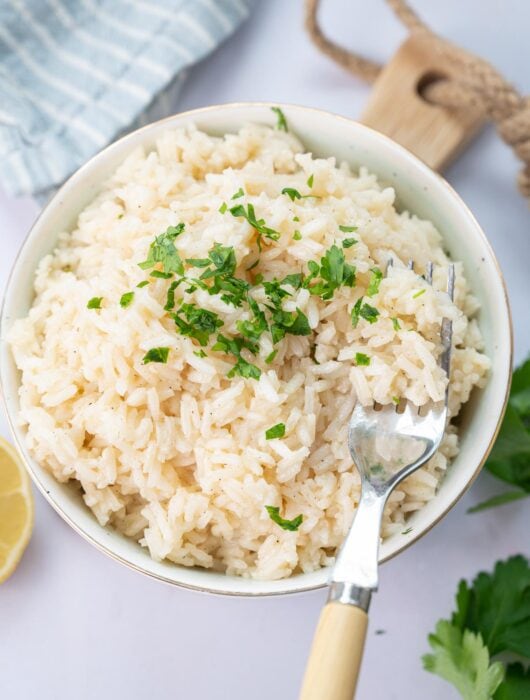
(76, 73)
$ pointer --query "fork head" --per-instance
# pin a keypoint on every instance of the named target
(387, 443)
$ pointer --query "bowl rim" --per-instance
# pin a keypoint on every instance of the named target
(191, 115)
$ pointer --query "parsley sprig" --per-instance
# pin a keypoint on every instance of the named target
(492, 617)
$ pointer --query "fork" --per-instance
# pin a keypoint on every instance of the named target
(387, 444)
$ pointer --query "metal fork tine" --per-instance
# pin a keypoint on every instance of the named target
(428, 273)
(451, 281)
(446, 330)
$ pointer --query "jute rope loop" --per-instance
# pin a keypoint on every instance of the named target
(480, 86)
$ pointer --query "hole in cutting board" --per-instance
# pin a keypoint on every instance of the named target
(427, 80)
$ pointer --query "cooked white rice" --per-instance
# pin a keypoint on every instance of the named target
(175, 455)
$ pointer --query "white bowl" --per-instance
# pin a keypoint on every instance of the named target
(419, 189)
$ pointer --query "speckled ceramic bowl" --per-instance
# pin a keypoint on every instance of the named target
(419, 189)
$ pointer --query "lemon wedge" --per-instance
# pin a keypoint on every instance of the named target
(16, 509)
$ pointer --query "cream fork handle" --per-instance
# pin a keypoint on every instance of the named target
(336, 654)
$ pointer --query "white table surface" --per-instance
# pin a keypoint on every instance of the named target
(75, 624)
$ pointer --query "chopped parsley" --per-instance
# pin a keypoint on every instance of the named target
(144, 283)
(310, 180)
(254, 329)
(297, 236)
(200, 353)
(161, 275)
(194, 322)
(244, 369)
(270, 357)
(233, 346)
(254, 264)
(156, 355)
(281, 121)
(199, 262)
(296, 218)
(395, 400)
(418, 294)
(292, 322)
(259, 224)
(333, 271)
(295, 280)
(361, 359)
(348, 242)
(360, 310)
(375, 280)
(277, 431)
(94, 303)
(162, 250)
(126, 299)
(395, 323)
(291, 193)
(238, 194)
(291, 525)
(348, 229)
(407, 531)
(223, 208)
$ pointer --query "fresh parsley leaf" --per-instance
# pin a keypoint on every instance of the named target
(310, 180)
(144, 283)
(163, 250)
(419, 293)
(126, 299)
(194, 322)
(516, 684)
(277, 431)
(200, 353)
(94, 303)
(375, 280)
(156, 355)
(161, 275)
(281, 123)
(348, 242)
(297, 236)
(259, 224)
(395, 323)
(223, 208)
(291, 193)
(462, 658)
(291, 525)
(500, 500)
(509, 459)
(238, 194)
(348, 229)
(361, 359)
(497, 605)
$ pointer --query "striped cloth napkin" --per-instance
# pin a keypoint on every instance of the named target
(76, 73)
